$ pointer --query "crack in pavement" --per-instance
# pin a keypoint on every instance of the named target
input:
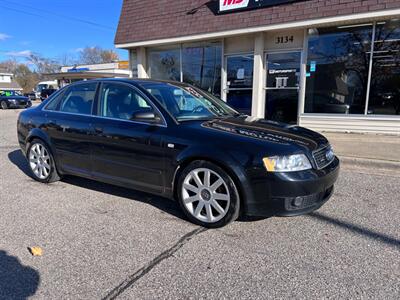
(130, 280)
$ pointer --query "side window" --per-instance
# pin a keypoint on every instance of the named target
(122, 102)
(55, 101)
(79, 99)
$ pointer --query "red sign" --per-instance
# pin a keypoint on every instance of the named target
(234, 5)
(225, 5)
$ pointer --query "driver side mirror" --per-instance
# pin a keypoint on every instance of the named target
(148, 116)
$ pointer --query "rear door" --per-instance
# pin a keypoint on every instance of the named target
(127, 150)
(69, 125)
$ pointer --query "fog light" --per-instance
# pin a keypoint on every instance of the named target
(298, 201)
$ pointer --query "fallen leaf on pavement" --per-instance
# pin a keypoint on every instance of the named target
(35, 251)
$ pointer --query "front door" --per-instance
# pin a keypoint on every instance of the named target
(127, 151)
(239, 88)
(282, 88)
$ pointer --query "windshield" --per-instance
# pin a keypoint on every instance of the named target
(41, 87)
(188, 103)
(10, 93)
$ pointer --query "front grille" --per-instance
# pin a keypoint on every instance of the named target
(320, 157)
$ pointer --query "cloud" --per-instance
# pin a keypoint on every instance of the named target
(24, 53)
(78, 50)
(4, 36)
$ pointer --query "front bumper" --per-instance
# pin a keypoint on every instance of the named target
(292, 193)
(19, 105)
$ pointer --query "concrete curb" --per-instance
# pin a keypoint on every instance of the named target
(369, 163)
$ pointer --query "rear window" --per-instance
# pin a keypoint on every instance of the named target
(76, 99)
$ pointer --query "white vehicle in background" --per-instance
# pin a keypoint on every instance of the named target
(44, 85)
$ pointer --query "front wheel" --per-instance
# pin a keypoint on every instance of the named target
(41, 162)
(208, 195)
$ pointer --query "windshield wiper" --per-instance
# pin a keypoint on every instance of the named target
(240, 115)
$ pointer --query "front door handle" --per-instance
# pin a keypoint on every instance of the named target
(64, 127)
(98, 130)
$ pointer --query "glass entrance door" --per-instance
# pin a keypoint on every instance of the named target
(239, 88)
(282, 86)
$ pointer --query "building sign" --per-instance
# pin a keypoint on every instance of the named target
(123, 64)
(226, 6)
(74, 69)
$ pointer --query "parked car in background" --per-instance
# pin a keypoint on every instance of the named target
(14, 99)
(175, 140)
(31, 96)
(45, 85)
(46, 93)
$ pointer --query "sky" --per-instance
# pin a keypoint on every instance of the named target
(55, 28)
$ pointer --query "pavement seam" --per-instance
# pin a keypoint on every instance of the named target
(367, 158)
(130, 280)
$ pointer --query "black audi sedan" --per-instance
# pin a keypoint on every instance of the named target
(177, 141)
(13, 99)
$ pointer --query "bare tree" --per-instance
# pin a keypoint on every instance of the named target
(8, 65)
(108, 56)
(97, 55)
(25, 77)
(67, 59)
(44, 65)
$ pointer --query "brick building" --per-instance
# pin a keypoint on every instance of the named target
(323, 64)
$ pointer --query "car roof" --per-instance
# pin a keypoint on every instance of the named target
(138, 81)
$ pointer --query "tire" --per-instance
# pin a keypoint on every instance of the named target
(3, 105)
(41, 162)
(212, 202)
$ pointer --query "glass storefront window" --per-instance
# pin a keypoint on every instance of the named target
(384, 98)
(133, 63)
(239, 69)
(201, 66)
(337, 69)
(283, 77)
(164, 64)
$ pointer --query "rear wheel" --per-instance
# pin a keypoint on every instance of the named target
(3, 105)
(208, 195)
(41, 162)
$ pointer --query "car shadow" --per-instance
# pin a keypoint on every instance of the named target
(164, 204)
(16, 280)
(18, 159)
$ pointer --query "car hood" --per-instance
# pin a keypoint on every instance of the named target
(269, 131)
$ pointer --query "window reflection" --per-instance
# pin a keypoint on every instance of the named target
(385, 79)
(201, 66)
(337, 69)
(283, 76)
(164, 64)
(240, 82)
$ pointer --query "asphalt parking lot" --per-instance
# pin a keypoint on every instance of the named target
(102, 242)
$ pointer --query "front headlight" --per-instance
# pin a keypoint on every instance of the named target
(290, 163)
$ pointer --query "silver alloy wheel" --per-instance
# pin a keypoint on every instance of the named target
(39, 161)
(205, 195)
(4, 105)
